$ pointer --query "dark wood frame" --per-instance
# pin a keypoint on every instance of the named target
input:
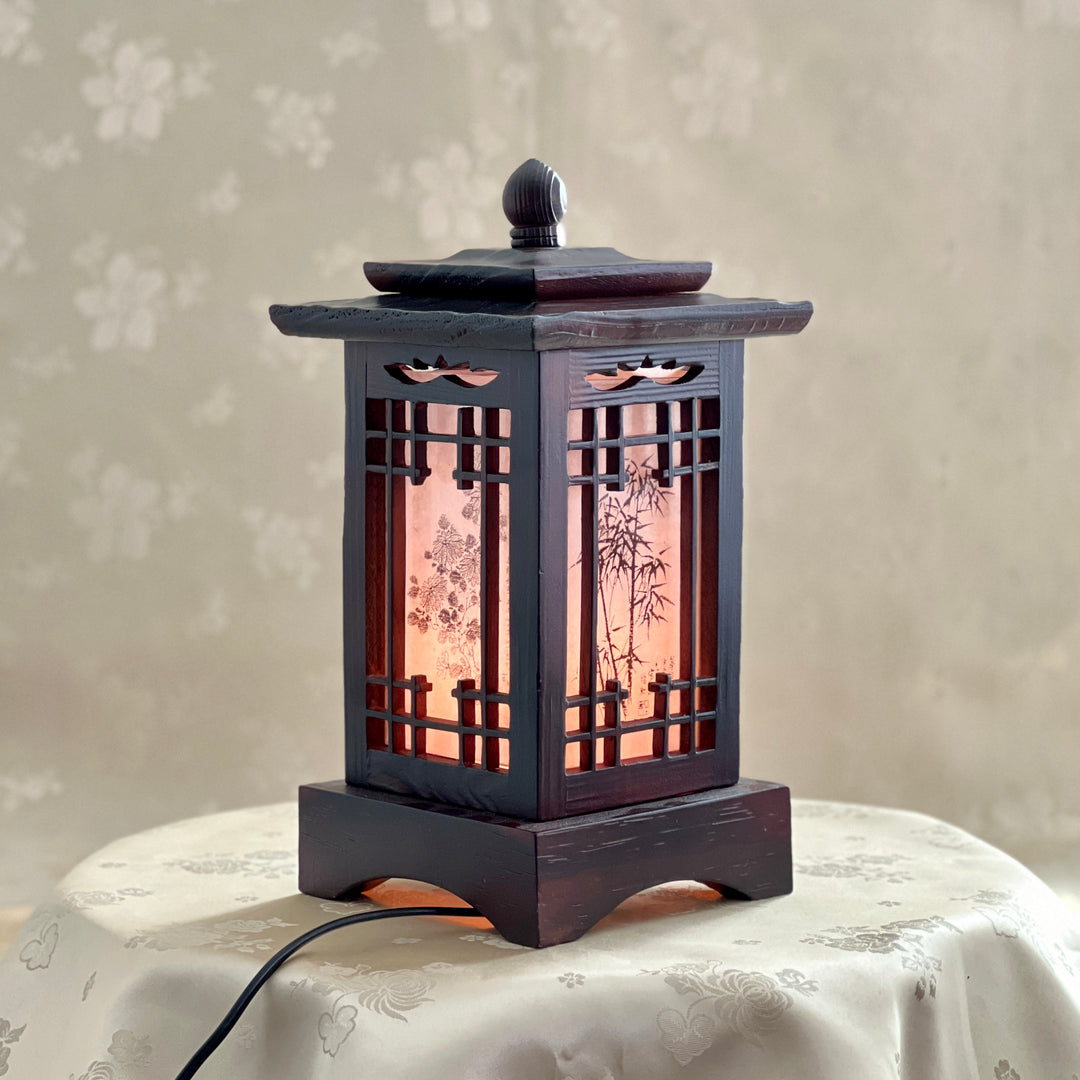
(564, 387)
(368, 376)
(539, 390)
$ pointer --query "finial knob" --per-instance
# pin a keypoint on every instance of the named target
(534, 201)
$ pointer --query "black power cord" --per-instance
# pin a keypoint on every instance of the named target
(275, 961)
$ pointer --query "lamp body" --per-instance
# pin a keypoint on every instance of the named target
(542, 573)
(542, 582)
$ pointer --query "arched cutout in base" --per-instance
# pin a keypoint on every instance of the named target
(728, 892)
(547, 882)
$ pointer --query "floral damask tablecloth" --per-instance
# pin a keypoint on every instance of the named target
(909, 949)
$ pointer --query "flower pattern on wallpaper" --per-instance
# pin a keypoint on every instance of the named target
(344, 258)
(17, 791)
(119, 509)
(284, 545)
(128, 298)
(213, 618)
(1040, 13)
(594, 27)
(39, 575)
(34, 366)
(50, 154)
(329, 472)
(16, 29)
(720, 83)
(457, 20)
(215, 410)
(136, 86)
(457, 190)
(223, 198)
(8, 645)
(359, 47)
(295, 123)
(13, 228)
(12, 474)
(517, 78)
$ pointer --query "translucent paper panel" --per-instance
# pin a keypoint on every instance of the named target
(626, 545)
(438, 606)
(579, 649)
(643, 506)
(638, 554)
(442, 573)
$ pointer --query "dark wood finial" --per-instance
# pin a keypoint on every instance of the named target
(534, 201)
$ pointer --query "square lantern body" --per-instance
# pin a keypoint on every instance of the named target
(542, 573)
(542, 582)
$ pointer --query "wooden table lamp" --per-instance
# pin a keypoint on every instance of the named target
(542, 581)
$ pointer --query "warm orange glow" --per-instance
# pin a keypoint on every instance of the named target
(444, 618)
(433, 743)
(402, 892)
(577, 720)
(461, 374)
(638, 746)
(641, 600)
(678, 740)
(577, 757)
(442, 575)
(638, 554)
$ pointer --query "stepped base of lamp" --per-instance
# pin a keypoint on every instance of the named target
(542, 883)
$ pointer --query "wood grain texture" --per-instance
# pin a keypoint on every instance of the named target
(543, 883)
(539, 325)
(537, 274)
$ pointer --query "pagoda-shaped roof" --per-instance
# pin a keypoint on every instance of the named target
(538, 295)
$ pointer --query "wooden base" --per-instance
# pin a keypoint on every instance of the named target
(545, 882)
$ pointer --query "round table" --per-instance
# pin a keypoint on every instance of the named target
(909, 949)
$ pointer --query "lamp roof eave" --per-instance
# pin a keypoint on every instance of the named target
(541, 325)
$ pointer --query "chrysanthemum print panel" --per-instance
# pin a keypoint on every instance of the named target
(641, 633)
(443, 628)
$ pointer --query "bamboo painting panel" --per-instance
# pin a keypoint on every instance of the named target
(635, 536)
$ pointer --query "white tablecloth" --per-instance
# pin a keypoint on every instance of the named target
(909, 949)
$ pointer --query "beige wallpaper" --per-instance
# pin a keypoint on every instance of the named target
(170, 467)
